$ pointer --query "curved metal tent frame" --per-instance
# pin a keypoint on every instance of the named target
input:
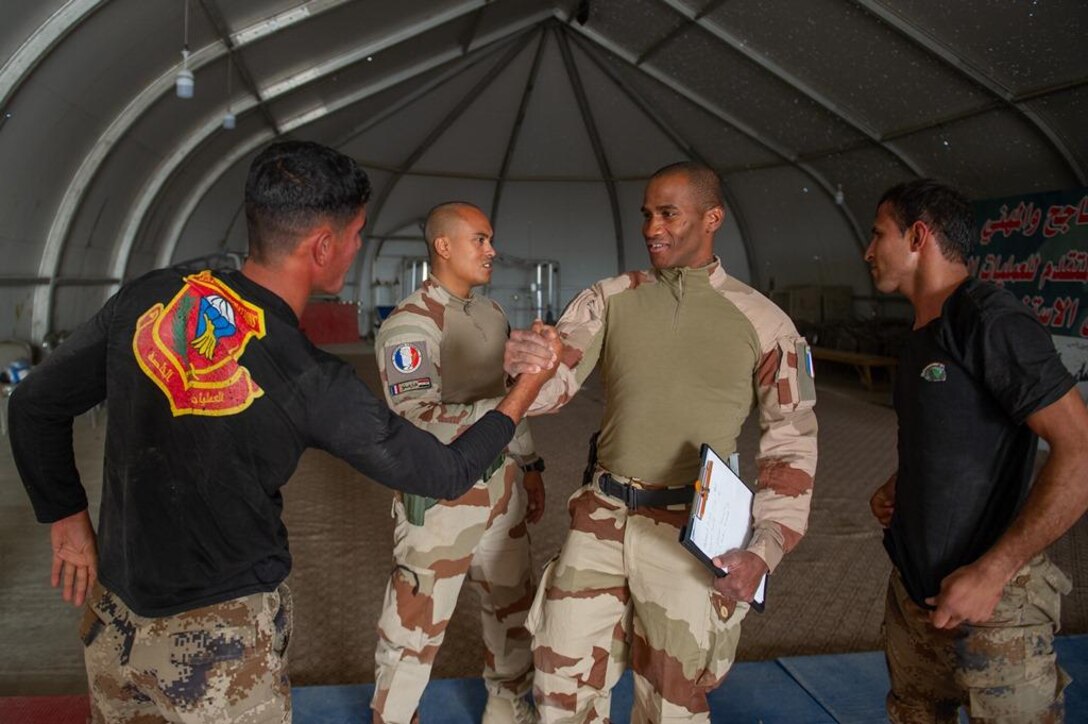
(640, 50)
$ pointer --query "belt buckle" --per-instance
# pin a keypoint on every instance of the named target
(629, 495)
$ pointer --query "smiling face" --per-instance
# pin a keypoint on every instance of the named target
(467, 254)
(678, 231)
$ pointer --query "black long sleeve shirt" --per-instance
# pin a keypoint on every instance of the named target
(213, 394)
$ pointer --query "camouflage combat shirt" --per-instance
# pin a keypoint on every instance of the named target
(440, 360)
(685, 353)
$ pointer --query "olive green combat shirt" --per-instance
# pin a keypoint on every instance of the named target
(684, 355)
(440, 361)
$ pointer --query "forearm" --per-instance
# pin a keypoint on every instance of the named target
(520, 397)
(787, 466)
(1058, 499)
(41, 445)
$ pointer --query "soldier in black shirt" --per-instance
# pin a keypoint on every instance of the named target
(973, 603)
(213, 394)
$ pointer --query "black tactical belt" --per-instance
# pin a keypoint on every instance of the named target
(634, 497)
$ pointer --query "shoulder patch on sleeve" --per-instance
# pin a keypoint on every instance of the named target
(407, 366)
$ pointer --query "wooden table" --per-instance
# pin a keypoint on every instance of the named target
(862, 362)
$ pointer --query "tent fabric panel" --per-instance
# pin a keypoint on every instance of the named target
(864, 174)
(568, 222)
(498, 15)
(22, 19)
(638, 25)
(490, 115)
(793, 122)
(16, 324)
(990, 155)
(552, 121)
(1021, 45)
(842, 51)
(332, 33)
(389, 143)
(108, 200)
(1067, 110)
(720, 144)
(414, 196)
(633, 144)
(207, 230)
(802, 239)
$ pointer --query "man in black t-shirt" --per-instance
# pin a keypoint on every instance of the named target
(973, 603)
(213, 395)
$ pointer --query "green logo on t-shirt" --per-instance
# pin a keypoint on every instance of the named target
(934, 372)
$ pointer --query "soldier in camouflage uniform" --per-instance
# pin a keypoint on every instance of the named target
(440, 359)
(685, 352)
(972, 604)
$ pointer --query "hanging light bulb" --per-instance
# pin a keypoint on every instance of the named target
(840, 197)
(229, 121)
(185, 84)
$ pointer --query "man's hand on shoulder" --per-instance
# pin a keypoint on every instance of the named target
(75, 556)
(968, 595)
(745, 571)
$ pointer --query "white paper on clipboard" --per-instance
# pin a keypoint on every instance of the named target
(721, 515)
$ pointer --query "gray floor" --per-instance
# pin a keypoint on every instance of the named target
(827, 596)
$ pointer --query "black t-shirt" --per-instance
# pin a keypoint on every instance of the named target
(966, 382)
(213, 394)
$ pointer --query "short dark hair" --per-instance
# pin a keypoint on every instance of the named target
(295, 185)
(705, 181)
(944, 210)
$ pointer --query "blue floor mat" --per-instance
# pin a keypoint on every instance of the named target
(843, 688)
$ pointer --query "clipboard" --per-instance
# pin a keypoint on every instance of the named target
(730, 511)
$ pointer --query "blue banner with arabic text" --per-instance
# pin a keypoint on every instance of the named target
(1036, 246)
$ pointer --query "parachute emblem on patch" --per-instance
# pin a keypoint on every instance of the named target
(215, 320)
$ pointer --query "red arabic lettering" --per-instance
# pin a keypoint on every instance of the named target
(1058, 217)
(1061, 315)
(1023, 218)
(1071, 267)
(999, 269)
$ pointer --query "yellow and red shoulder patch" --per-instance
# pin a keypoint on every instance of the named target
(190, 348)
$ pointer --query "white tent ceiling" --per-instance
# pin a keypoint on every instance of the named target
(548, 114)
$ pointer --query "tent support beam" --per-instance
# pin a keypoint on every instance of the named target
(515, 130)
(598, 145)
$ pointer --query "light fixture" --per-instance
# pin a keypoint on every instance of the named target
(840, 197)
(184, 84)
(229, 119)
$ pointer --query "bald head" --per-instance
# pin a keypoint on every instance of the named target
(445, 219)
(705, 185)
(459, 241)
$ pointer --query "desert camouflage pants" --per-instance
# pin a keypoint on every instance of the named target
(220, 663)
(481, 535)
(1002, 671)
(622, 588)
